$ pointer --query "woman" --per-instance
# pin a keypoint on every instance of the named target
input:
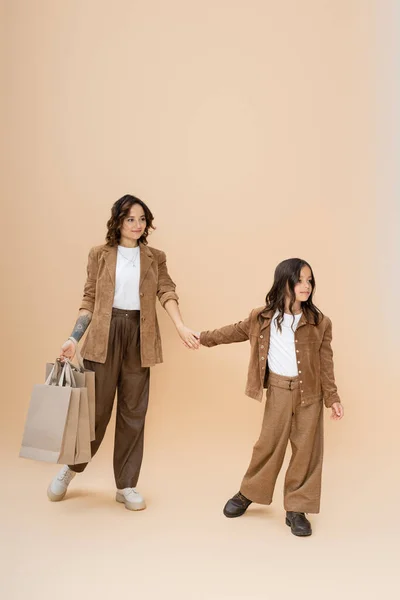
(118, 308)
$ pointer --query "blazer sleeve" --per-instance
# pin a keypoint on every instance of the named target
(237, 332)
(165, 285)
(89, 290)
(329, 388)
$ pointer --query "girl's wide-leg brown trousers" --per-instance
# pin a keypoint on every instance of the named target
(286, 419)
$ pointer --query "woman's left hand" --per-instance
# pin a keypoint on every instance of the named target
(189, 337)
(337, 411)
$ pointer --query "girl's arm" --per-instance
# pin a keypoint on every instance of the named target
(237, 332)
(329, 388)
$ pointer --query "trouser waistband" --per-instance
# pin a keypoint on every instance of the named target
(284, 382)
(127, 314)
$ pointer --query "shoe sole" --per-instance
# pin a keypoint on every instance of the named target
(54, 497)
(288, 523)
(230, 516)
(130, 505)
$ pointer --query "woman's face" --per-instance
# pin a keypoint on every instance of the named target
(303, 288)
(134, 223)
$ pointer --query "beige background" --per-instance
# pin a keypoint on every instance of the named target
(255, 131)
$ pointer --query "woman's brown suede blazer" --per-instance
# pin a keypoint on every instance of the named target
(98, 298)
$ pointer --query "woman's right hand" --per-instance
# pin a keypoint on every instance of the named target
(67, 350)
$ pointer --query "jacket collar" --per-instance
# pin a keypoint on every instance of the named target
(110, 257)
(266, 318)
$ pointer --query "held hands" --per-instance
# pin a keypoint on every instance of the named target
(189, 338)
(67, 350)
(337, 411)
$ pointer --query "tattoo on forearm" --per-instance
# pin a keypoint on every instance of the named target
(80, 326)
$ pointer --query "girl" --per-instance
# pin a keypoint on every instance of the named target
(290, 355)
(124, 277)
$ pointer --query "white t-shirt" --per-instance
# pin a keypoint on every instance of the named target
(282, 352)
(127, 278)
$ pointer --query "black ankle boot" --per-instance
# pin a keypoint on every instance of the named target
(236, 506)
(298, 523)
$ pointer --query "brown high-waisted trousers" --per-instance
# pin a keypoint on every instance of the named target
(122, 372)
(286, 419)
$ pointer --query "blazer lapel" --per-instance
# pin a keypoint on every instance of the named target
(146, 260)
(110, 258)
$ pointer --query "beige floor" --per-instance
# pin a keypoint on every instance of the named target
(88, 546)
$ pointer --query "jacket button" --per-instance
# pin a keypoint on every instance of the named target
(262, 347)
(301, 382)
(299, 371)
(263, 358)
(296, 350)
(302, 401)
(298, 362)
(261, 336)
(141, 293)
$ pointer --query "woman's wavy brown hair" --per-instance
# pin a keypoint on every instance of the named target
(119, 212)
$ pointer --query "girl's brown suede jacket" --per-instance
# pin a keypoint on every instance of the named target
(313, 349)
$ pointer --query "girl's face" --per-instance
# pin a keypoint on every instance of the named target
(303, 288)
(134, 223)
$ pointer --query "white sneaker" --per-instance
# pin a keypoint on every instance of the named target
(131, 498)
(58, 487)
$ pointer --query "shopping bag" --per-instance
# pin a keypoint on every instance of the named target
(84, 378)
(80, 451)
(89, 383)
(51, 424)
(83, 452)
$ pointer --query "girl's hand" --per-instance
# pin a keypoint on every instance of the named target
(189, 338)
(67, 350)
(337, 411)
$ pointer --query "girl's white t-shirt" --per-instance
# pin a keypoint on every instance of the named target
(127, 279)
(282, 351)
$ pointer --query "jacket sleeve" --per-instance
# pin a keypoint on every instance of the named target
(329, 388)
(89, 291)
(238, 332)
(165, 285)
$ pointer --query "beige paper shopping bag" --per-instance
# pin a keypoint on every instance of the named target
(83, 452)
(45, 425)
(84, 378)
(76, 449)
(90, 385)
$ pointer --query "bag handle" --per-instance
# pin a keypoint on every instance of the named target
(79, 359)
(67, 377)
(54, 374)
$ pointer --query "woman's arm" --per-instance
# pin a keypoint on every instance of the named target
(188, 336)
(86, 310)
(165, 286)
(82, 323)
(169, 300)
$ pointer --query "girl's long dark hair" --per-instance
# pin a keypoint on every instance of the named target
(119, 212)
(287, 274)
